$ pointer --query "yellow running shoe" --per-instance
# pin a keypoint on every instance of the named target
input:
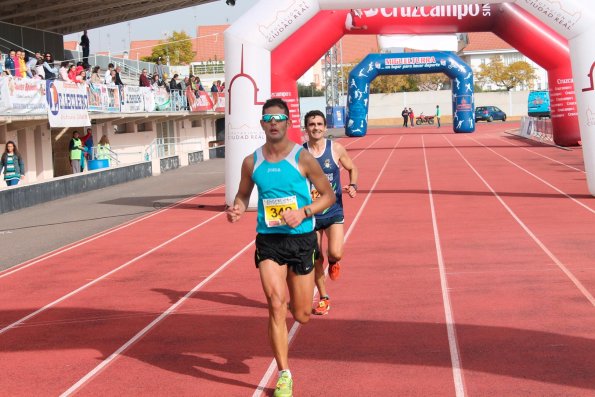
(284, 386)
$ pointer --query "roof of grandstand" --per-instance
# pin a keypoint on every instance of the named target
(69, 16)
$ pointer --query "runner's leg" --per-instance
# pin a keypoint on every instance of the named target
(301, 289)
(319, 267)
(272, 277)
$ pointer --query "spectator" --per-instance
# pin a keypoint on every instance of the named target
(63, 71)
(88, 143)
(173, 83)
(103, 149)
(39, 70)
(30, 63)
(50, 71)
(143, 80)
(80, 74)
(405, 115)
(72, 73)
(438, 115)
(118, 80)
(19, 64)
(107, 78)
(1, 65)
(85, 47)
(199, 84)
(95, 77)
(156, 83)
(13, 165)
(215, 93)
(113, 75)
(158, 70)
(9, 65)
(76, 152)
(411, 117)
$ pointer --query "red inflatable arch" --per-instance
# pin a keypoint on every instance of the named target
(291, 59)
(275, 42)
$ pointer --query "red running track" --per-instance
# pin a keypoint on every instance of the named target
(468, 271)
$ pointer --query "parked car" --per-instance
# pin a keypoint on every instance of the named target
(538, 104)
(489, 114)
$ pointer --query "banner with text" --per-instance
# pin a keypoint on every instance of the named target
(22, 96)
(67, 104)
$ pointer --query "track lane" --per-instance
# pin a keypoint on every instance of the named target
(508, 296)
(234, 311)
(34, 288)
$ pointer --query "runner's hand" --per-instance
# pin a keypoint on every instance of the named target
(293, 218)
(233, 213)
(350, 190)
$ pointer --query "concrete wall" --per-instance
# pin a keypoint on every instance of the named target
(169, 163)
(26, 195)
(385, 109)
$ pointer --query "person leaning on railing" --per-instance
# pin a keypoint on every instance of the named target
(103, 149)
(50, 71)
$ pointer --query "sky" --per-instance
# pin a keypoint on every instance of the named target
(115, 38)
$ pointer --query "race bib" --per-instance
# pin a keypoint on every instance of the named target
(274, 208)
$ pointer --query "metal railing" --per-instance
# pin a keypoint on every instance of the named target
(169, 146)
(537, 129)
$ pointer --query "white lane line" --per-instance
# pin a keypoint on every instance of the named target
(541, 245)
(150, 326)
(591, 210)
(453, 344)
(273, 365)
(98, 279)
(543, 155)
(86, 240)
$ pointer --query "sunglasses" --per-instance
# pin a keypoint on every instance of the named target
(277, 117)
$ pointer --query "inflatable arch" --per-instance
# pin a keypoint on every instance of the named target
(275, 42)
(411, 63)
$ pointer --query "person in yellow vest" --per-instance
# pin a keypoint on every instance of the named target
(76, 151)
(103, 149)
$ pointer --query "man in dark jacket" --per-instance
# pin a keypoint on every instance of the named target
(85, 47)
(405, 115)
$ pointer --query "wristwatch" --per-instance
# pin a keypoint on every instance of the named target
(308, 212)
(354, 185)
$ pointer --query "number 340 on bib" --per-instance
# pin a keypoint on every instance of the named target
(274, 208)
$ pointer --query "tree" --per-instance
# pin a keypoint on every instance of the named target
(518, 73)
(431, 81)
(309, 90)
(178, 47)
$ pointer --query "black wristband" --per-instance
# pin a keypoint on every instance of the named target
(354, 185)
(308, 212)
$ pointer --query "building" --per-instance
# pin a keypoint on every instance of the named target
(485, 45)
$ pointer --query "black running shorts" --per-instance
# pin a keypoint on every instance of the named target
(294, 250)
(322, 224)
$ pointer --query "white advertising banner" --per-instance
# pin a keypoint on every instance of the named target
(22, 96)
(132, 99)
(67, 104)
(148, 99)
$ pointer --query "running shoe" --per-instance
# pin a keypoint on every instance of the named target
(334, 270)
(284, 386)
(323, 307)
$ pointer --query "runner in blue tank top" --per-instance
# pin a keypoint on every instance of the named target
(330, 156)
(286, 243)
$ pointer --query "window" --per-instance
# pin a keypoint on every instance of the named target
(196, 123)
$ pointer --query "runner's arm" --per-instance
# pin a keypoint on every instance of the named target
(349, 165)
(240, 203)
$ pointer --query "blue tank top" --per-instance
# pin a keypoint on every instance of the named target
(333, 173)
(280, 186)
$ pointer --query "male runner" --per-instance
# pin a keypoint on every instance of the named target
(330, 156)
(286, 242)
